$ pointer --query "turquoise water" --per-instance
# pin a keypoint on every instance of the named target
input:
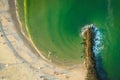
(55, 27)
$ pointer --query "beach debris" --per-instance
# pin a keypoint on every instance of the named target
(6, 65)
(56, 73)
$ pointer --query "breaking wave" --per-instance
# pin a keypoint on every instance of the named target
(98, 46)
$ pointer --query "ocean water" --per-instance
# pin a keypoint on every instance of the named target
(55, 27)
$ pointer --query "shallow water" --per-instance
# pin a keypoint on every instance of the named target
(55, 27)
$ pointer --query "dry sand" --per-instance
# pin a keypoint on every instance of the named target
(19, 61)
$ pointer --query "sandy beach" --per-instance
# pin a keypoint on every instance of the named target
(19, 60)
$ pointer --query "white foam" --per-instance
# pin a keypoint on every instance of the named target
(97, 38)
(97, 41)
(84, 29)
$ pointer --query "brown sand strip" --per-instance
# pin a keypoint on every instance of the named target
(89, 55)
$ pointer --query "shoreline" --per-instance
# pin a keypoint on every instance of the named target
(31, 44)
(90, 65)
(37, 68)
(17, 22)
(29, 38)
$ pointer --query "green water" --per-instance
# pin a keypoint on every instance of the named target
(55, 25)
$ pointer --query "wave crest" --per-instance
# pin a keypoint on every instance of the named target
(98, 46)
